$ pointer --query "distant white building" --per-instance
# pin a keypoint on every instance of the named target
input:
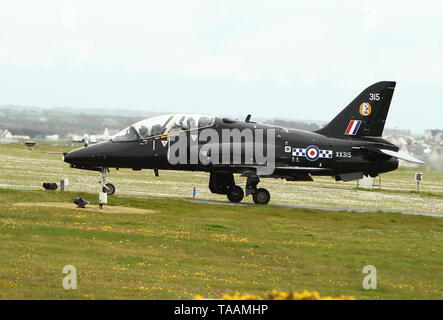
(5, 134)
(53, 137)
(435, 135)
(436, 155)
(23, 137)
(8, 137)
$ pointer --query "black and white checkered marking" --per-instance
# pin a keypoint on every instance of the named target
(312, 153)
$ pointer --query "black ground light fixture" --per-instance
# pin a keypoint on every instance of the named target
(50, 186)
(81, 202)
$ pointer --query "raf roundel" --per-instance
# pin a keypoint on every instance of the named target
(312, 153)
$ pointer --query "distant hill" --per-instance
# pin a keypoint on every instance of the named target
(38, 122)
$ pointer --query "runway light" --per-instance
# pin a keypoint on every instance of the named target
(50, 186)
(81, 202)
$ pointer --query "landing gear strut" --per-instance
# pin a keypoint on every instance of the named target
(223, 183)
(109, 188)
(260, 195)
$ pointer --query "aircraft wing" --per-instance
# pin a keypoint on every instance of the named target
(303, 169)
(290, 173)
(287, 169)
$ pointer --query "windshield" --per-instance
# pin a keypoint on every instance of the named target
(184, 122)
(152, 126)
(127, 134)
(162, 125)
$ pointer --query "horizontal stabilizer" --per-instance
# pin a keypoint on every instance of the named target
(399, 155)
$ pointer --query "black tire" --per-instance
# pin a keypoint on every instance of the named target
(110, 190)
(261, 196)
(236, 194)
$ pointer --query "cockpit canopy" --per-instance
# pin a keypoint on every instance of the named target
(162, 125)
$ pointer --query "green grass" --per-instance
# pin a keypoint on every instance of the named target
(23, 169)
(187, 248)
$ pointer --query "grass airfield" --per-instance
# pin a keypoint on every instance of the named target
(184, 248)
(23, 169)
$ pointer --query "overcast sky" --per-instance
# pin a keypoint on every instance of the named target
(284, 59)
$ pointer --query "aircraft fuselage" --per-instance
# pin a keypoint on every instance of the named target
(344, 155)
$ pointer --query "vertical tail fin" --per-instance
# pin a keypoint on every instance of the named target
(365, 115)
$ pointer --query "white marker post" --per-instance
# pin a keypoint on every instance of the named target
(63, 184)
(418, 179)
(102, 199)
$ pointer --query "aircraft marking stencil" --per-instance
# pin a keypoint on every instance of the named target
(312, 153)
(353, 127)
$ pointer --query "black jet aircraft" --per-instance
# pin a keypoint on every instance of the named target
(347, 148)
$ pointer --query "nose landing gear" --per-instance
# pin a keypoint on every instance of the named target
(109, 188)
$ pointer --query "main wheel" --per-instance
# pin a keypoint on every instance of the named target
(110, 189)
(261, 196)
(236, 194)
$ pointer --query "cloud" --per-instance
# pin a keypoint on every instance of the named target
(290, 44)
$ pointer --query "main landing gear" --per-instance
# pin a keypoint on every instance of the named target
(223, 183)
(260, 195)
(236, 194)
(109, 188)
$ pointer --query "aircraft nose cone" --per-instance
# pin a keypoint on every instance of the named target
(75, 155)
(91, 156)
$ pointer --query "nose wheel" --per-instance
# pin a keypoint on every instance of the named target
(109, 188)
